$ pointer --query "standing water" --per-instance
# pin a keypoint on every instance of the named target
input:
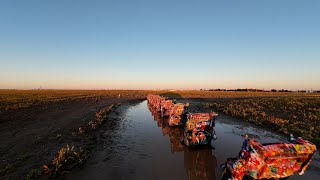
(136, 144)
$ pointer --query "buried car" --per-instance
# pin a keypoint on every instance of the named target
(155, 101)
(158, 103)
(178, 114)
(166, 107)
(266, 161)
(199, 129)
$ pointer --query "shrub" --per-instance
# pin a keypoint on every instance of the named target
(67, 158)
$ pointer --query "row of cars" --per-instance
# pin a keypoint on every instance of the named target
(198, 127)
(261, 161)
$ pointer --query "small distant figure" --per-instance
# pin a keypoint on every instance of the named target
(245, 144)
(292, 139)
(187, 104)
(245, 150)
(119, 96)
(186, 107)
(185, 114)
(174, 101)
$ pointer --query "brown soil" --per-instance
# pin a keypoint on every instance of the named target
(31, 137)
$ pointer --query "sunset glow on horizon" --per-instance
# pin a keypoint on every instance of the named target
(160, 44)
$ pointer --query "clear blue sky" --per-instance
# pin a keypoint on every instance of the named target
(150, 44)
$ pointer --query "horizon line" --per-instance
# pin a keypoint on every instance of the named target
(165, 89)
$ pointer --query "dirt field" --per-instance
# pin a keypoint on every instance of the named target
(32, 133)
(34, 125)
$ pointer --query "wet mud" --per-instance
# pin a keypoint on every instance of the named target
(136, 143)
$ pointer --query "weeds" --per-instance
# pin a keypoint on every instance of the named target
(296, 115)
(34, 173)
(100, 117)
(66, 159)
(5, 170)
(21, 99)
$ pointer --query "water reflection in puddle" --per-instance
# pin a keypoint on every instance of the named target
(140, 145)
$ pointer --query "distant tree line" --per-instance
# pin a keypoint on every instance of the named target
(263, 90)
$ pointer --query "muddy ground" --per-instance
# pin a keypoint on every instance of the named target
(32, 137)
(132, 144)
(138, 144)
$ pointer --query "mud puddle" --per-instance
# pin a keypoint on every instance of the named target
(136, 144)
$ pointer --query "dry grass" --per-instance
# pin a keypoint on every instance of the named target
(297, 115)
(19, 99)
(66, 159)
(100, 117)
(239, 94)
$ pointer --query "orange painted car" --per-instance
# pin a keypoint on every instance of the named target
(266, 161)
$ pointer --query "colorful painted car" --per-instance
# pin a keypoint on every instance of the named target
(266, 161)
(199, 129)
(158, 103)
(166, 107)
(177, 113)
(152, 99)
(155, 101)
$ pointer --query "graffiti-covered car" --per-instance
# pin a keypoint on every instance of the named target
(151, 98)
(166, 107)
(155, 101)
(199, 129)
(178, 115)
(266, 161)
(158, 103)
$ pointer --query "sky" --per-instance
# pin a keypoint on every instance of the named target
(159, 44)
